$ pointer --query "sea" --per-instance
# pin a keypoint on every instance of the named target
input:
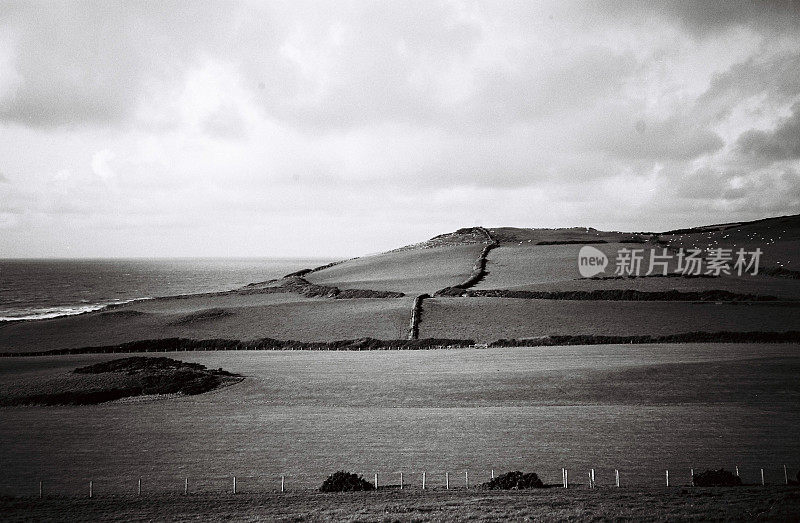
(47, 288)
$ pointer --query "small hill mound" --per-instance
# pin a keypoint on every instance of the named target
(124, 378)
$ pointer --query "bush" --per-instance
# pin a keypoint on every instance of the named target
(515, 480)
(717, 478)
(345, 482)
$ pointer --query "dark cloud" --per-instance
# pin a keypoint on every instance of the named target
(775, 76)
(703, 17)
(781, 143)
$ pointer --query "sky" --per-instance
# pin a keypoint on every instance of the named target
(326, 129)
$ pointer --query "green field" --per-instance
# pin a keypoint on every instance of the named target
(412, 271)
(654, 504)
(488, 319)
(282, 316)
(640, 409)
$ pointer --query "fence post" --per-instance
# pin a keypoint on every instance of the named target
(447, 481)
(692, 472)
(401, 480)
(234, 484)
(283, 483)
(139, 487)
(466, 478)
(668, 478)
(90, 488)
(566, 478)
(492, 473)
(376, 481)
(40, 490)
(593, 483)
(762, 477)
(423, 480)
(737, 471)
(616, 477)
(785, 475)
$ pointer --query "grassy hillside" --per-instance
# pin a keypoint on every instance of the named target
(778, 238)
(487, 319)
(525, 259)
(412, 271)
(288, 316)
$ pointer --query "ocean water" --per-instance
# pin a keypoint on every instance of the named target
(35, 289)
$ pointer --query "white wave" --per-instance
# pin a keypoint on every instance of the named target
(55, 312)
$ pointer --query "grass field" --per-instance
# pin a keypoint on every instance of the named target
(412, 271)
(282, 316)
(656, 504)
(778, 238)
(640, 409)
(515, 266)
(488, 319)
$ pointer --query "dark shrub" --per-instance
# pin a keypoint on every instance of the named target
(717, 478)
(514, 480)
(345, 482)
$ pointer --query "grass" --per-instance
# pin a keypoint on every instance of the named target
(782, 288)
(302, 319)
(778, 238)
(511, 266)
(412, 271)
(488, 319)
(654, 504)
(640, 409)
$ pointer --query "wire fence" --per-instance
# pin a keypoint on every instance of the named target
(64, 485)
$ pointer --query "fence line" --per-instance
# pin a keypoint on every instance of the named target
(47, 486)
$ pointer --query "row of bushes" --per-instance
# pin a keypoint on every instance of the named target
(189, 344)
(416, 316)
(478, 270)
(348, 482)
(687, 337)
(303, 272)
(655, 275)
(300, 285)
(619, 295)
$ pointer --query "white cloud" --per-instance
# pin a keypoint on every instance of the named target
(346, 128)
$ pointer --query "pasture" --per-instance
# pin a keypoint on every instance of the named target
(284, 316)
(412, 271)
(639, 504)
(640, 409)
(489, 319)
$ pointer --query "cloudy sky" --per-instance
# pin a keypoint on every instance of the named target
(343, 128)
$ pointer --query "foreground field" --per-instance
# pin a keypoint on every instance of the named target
(640, 409)
(656, 504)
